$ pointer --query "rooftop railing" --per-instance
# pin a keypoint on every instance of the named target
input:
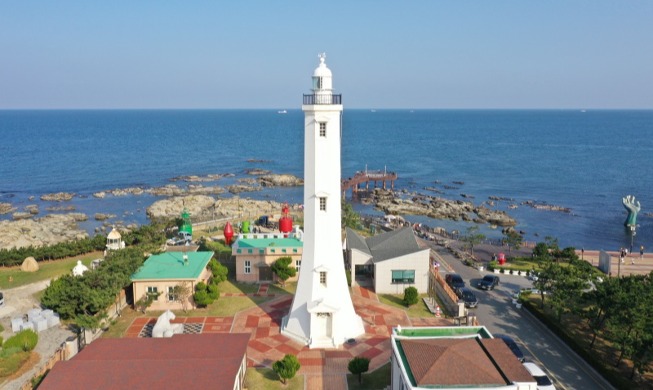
(322, 99)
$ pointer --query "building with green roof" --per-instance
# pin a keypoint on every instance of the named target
(457, 357)
(161, 273)
(255, 253)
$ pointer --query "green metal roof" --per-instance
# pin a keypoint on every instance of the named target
(170, 265)
(446, 331)
(261, 243)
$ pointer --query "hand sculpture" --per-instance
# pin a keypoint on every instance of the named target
(633, 208)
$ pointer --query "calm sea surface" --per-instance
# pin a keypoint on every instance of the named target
(586, 161)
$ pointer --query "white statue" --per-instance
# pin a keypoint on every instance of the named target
(79, 269)
(163, 327)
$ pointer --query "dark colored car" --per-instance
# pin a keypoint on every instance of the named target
(455, 281)
(489, 282)
(468, 297)
(512, 345)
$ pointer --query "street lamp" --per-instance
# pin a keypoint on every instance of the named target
(633, 232)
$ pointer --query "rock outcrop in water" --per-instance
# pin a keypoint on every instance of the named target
(58, 197)
(437, 208)
(280, 180)
(6, 208)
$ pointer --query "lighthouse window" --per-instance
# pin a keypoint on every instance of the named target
(322, 204)
(322, 129)
(248, 267)
(323, 278)
(319, 83)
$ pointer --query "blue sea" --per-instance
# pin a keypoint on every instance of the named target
(584, 160)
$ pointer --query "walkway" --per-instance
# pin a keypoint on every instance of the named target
(319, 366)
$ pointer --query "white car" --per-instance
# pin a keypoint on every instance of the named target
(543, 381)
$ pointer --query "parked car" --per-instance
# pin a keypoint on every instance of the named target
(182, 238)
(543, 381)
(512, 345)
(467, 296)
(489, 282)
(454, 281)
(2, 299)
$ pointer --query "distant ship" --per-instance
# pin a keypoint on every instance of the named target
(372, 110)
(282, 112)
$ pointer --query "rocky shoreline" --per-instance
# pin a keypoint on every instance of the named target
(198, 196)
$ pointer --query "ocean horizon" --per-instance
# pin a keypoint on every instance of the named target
(584, 160)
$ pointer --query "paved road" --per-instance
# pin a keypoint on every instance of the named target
(539, 345)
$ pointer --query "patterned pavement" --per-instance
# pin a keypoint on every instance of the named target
(319, 366)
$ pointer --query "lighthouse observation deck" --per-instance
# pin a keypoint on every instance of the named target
(322, 99)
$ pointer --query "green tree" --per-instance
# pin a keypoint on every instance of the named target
(513, 239)
(411, 296)
(283, 270)
(287, 367)
(473, 238)
(181, 293)
(541, 251)
(219, 271)
(201, 296)
(359, 365)
(350, 218)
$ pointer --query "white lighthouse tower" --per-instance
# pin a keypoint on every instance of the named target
(322, 313)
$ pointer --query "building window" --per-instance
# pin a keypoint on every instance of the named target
(249, 251)
(403, 276)
(323, 278)
(171, 294)
(298, 265)
(322, 203)
(153, 291)
(322, 129)
(248, 267)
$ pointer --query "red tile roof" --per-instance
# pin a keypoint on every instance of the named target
(460, 362)
(180, 362)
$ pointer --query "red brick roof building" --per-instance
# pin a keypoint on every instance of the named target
(204, 361)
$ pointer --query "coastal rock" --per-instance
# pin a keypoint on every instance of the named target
(238, 188)
(255, 160)
(6, 208)
(280, 180)
(61, 208)
(32, 209)
(100, 195)
(210, 177)
(102, 217)
(48, 230)
(438, 208)
(20, 215)
(198, 189)
(545, 206)
(167, 190)
(247, 180)
(78, 217)
(58, 197)
(172, 207)
(257, 171)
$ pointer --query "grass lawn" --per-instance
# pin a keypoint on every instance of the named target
(119, 326)
(47, 270)
(233, 287)
(418, 310)
(267, 379)
(376, 380)
(277, 289)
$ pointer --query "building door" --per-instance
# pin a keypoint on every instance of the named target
(265, 274)
(323, 325)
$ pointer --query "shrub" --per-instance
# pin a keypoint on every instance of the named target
(411, 296)
(287, 367)
(359, 365)
(213, 292)
(25, 340)
(201, 298)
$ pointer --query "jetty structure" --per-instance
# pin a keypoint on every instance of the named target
(366, 177)
(322, 313)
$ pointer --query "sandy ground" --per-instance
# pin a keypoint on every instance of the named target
(17, 302)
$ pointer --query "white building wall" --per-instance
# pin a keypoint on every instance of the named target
(418, 261)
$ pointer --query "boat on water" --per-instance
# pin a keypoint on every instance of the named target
(282, 112)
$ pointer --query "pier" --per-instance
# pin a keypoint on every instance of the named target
(366, 177)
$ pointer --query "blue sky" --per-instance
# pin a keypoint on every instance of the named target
(261, 54)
